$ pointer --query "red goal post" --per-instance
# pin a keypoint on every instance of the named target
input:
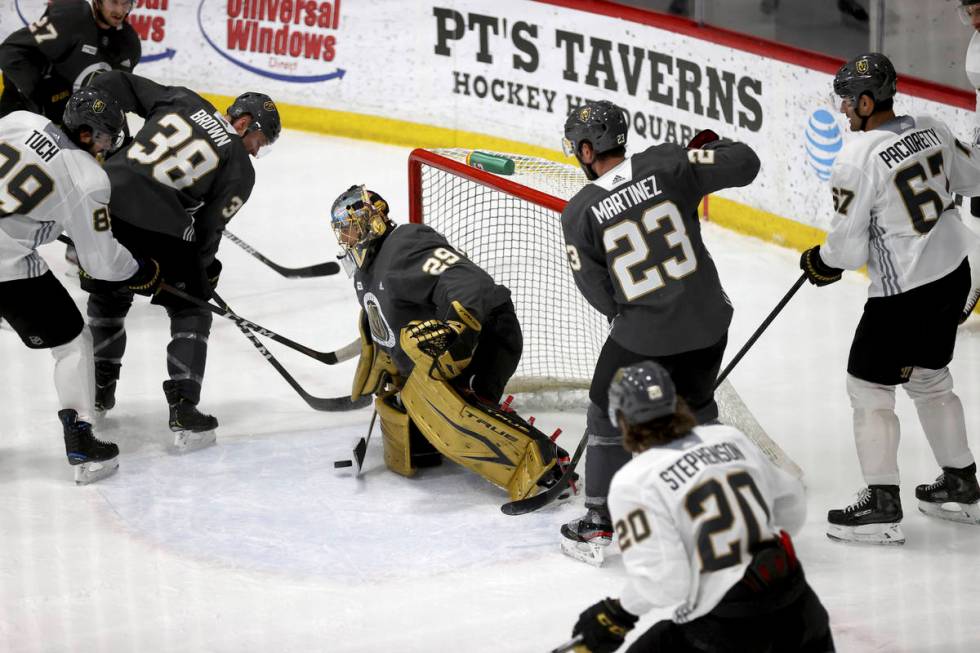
(511, 227)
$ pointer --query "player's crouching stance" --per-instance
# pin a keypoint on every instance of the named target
(698, 514)
(439, 342)
(49, 182)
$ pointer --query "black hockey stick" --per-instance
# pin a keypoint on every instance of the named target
(329, 357)
(762, 327)
(318, 270)
(360, 449)
(570, 645)
(541, 499)
(316, 403)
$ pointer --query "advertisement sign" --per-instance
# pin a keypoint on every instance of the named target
(509, 69)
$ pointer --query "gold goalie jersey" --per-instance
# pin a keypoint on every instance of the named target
(894, 208)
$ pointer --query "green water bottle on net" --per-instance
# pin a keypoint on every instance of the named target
(494, 163)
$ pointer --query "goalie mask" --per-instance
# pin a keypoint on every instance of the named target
(359, 217)
(640, 393)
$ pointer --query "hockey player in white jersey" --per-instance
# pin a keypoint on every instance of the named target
(970, 14)
(703, 520)
(893, 186)
(51, 182)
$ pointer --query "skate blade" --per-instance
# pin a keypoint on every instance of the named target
(91, 471)
(962, 513)
(188, 441)
(880, 534)
(588, 552)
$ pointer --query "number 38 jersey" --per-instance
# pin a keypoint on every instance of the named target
(634, 245)
(415, 274)
(47, 185)
(686, 516)
(186, 172)
(893, 204)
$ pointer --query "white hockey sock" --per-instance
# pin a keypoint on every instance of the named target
(876, 430)
(74, 375)
(941, 416)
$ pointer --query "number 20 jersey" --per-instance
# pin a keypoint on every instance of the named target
(686, 515)
(634, 245)
(894, 208)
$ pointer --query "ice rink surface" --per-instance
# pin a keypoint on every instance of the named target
(258, 544)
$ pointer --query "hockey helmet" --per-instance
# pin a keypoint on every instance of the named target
(358, 217)
(96, 110)
(868, 74)
(641, 392)
(265, 115)
(966, 9)
(602, 123)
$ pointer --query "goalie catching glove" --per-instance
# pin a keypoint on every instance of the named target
(450, 343)
(604, 626)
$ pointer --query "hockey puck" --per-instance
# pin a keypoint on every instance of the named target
(343, 463)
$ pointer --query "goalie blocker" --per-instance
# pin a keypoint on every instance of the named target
(424, 418)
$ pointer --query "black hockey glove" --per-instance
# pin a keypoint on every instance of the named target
(213, 271)
(817, 272)
(147, 279)
(604, 626)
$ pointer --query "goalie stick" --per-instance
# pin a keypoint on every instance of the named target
(318, 270)
(329, 357)
(316, 403)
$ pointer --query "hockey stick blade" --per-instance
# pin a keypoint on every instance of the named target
(328, 404)
(360, 449)
(541, 499)
(329, 357)
(318, 270)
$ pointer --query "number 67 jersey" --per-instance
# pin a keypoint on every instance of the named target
(894, 207)
(687, 516)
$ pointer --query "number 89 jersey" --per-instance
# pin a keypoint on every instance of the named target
(894, 207)
(686, 517)
(186, 172)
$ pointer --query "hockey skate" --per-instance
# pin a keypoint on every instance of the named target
(587, 538)
(192, 429)
(106, 375)
(91, 458)
(955, 496)
(874, 518)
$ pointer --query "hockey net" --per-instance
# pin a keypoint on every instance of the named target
(510, 226)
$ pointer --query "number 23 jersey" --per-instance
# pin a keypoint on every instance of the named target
(686, 515)
(893, 204)
(634, 245)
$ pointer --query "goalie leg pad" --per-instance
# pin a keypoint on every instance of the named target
(395, 434)
(503, 451)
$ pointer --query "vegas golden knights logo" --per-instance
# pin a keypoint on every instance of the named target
(583, 115)
(861, 66)
(98, 106)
